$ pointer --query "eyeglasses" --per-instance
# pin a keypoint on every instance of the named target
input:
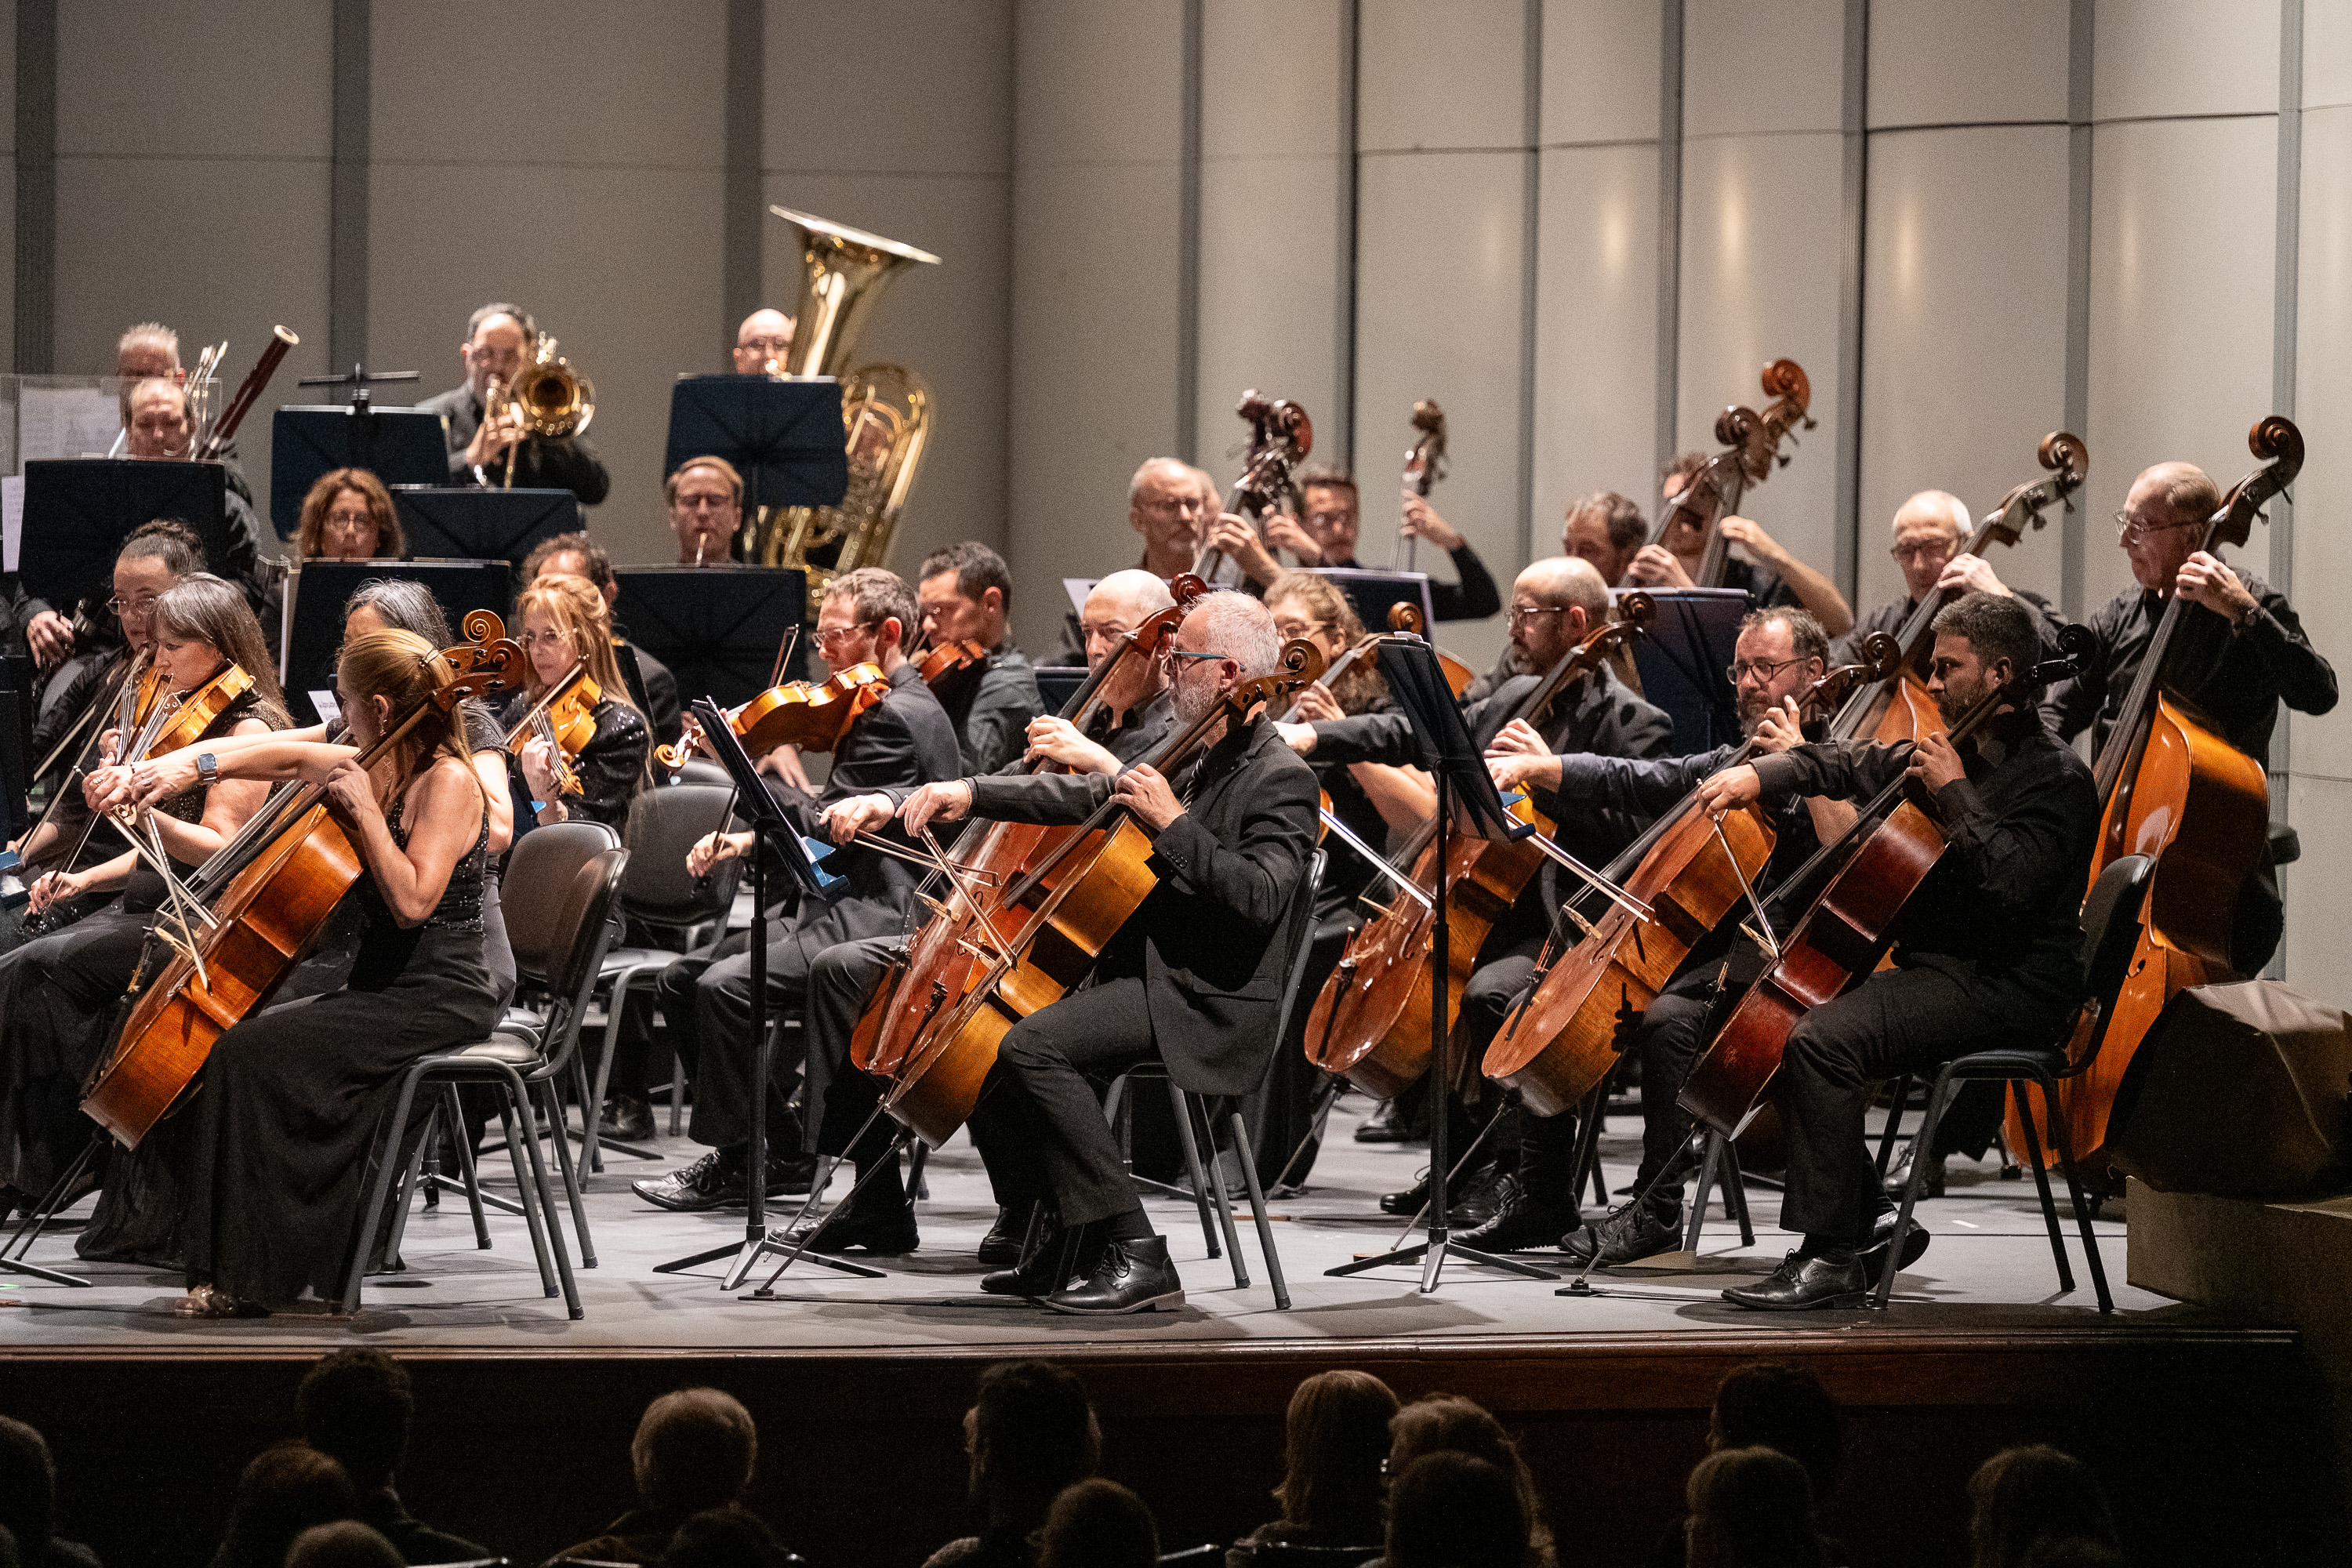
(121, 607)
(703, 503)
(1763, 669)
(1921, 550)
(349, 520)
(1179, 653)
(1522, 613)
(1292, 630)
(530, 640)
(1176, 503)
(826, 641)
(2128, 528)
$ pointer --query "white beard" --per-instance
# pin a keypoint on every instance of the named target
(1193, 701)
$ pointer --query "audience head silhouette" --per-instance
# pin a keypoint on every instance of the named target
(1752, 1508)
(1447, 1423)
(694, 1450)
(1336, 1437)
(1031, 1433)
(723, 1538)
(356, 1406)
(346, 1544)
(1097, 1524)
(2024, 1497)
(283, 1492)
(1452, 1509)
(1771, 1404)
(28, 1487)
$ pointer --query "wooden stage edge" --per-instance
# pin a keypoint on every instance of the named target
(2212, 1436)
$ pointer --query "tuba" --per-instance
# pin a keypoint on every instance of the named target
(549, 398)
(887, 409)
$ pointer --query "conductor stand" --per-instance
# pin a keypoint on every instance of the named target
(773, 830)
(1466, 801)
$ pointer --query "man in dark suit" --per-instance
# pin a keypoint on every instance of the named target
(500, 340)
(903, 740)
(1194, 978)
(967, 597)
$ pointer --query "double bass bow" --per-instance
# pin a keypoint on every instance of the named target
(1752, 451)
(2173, 788)
(1281, 435)
(1566, 1034)
(1887, 853)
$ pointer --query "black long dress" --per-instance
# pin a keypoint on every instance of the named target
(59, 998)
(279, 1136)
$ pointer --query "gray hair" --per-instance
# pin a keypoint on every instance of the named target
(1996, 626)
(1135, 485)
(1954, 510)
(403, 607)
(501, 308)
(1234, 626)
(154, 333)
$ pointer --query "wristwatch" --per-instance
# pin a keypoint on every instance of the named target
(207, 769)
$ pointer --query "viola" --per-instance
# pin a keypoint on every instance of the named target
(1281, 435)
(1850, 925)
(1567, 1033)
(1371, 1019)
(567, 722)
(1903, 710)
(949, 669)
(284, 877)
(1752, 451)
(813, 715)
(1405, 616)
(2175, 790)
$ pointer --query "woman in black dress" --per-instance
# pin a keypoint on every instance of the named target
(59, 994)
(279, 1137)
(564, 620)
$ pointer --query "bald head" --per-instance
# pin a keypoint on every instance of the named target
(1166, 504)
(1563, 580)
(1554, 604)
(1116, 606)
(1928, 531)
(2165, 503)
(765, 335)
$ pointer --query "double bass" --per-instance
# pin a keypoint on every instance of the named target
(1567, 1033)
(1424, 465)
(1281, 435)
(1752, 451)
(1371, 1020)
(2172, 788)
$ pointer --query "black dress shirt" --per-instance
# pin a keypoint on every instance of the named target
(551, 463)
(991, 715)
(1648, 788)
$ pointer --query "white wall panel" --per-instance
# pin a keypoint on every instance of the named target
(2323, 406)
(1761, 68)
(1599, 71)
(1964, 332)
(2183, 223)
(1441, 321)
(2184, 56)
(2326, 56)
(2319, 888)
(1958, 62)
(1596, 330)
(889, 86)
(1440, 77)
(1760, 282)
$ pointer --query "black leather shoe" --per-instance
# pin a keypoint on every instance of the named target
(1632, 1232)
(1521, 1222)
(1471, 1201)
(887, 1232)
(712, 1181)
(1874, 1256)
(1802, 1283)
(1001, 1247)
(1133, 1276)
(1061, 1255)
(791, 1177)
(1385, 1125)
(1900, 1174)
(627, 1116)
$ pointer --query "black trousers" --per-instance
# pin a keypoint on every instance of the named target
(1040, 1126)
(706, 995)
(840, 1100)
(1908, 1019)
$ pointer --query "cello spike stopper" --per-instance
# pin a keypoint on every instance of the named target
(1579, 1286)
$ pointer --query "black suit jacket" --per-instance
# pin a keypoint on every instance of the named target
(1208, 941)
(565, 463)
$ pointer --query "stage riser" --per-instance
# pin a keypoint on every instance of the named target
(2211, 1444)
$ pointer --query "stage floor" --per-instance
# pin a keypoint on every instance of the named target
(1989, 1270)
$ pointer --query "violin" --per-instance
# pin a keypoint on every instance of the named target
(1850, 925)
(813, 715)
(1371, 1019)
(1424, 465)
(2173, 789)
(284, 873)
(948, 667)
(1904, 711)
(1566, 1033)
(1752, 451)
(1281, 435)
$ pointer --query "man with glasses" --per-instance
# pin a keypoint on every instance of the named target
(1555, 603)
(2238, 652)
(1771, 574)
(1326, 533)
(763, 341)
(1929, 531)
(706, 511)
(706, 996)
(500, 340)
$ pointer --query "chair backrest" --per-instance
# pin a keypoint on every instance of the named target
(537, 877)
(657, 891)
(1298, 930)
(587, 924)
(2111, 932)
(702, 770)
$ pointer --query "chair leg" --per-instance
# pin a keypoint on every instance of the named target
(1588, 1146)
(1894, 1121)
(916, 1191)
(1208, 1126)
(2065, 1141)
(572, 1177)
(1326, 1095)
(1200, 1197)
(1257, 1214)
(1735, 1194)
(677, 1094)
(544, 1196)
(1938, 1098)
(379, 1192)
(1696, 1224)
(403, 1194)
(454, 1114)
(509, 1102)
(2042, 1185)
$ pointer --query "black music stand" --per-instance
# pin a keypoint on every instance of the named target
(785, 438)
(1681, 659)
(467, 522)
(1466, 801)
(398, 445)
(316, 598)
(79, 510)
(772, 829)
(1372, 593)
(717, 627)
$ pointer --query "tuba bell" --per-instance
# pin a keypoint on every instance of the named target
(887, 409)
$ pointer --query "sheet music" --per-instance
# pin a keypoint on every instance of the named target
(12, 519)
(65, 422)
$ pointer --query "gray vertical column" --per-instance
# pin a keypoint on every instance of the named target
(743, 280)
(1342, 435)
(347, 195)
(1670, 227)
(1188, 243)
(1854, 207)
(1530, 227)
(2287, 280)
(2071, 528)
(37, 185)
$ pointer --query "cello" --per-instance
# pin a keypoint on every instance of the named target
(1752, 451)
(1281, 435)
(1902, 710)
(2172, 788)
(1850, 925)
(1371, 1020)
(1567, 1033)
